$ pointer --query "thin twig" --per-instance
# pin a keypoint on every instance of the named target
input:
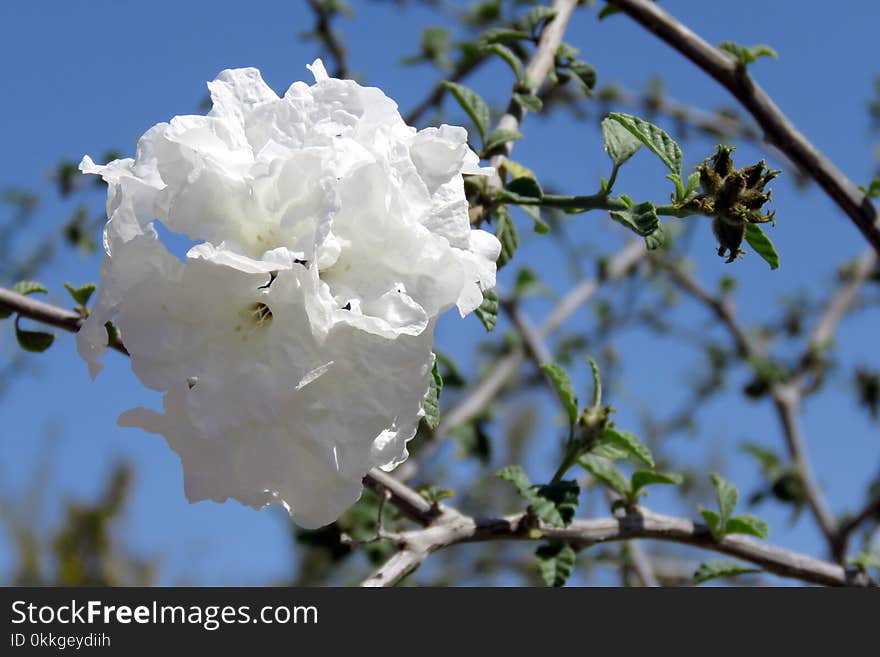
(324, 14)
(778, 129)
(537, 70)
(46, 313)
(786, 395)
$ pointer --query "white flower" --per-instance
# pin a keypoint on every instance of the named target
(293, 345)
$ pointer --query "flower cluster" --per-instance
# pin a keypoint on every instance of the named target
(293, 343)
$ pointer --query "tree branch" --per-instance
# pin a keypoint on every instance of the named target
(419, 544)
(539, 66)
(778, 129)
(445, 526)
(786, 396)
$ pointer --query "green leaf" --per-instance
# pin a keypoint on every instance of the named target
(642, 478)
(719, 568)
(514, 474)
(540, 226)
(524, 189)
(747, 524)
(29, 287)
(112, 332)
(516, 170)
(537, 15)
(502, 35)
(608, 10)
(435, 495)
(744, 55)
(564, 390)
(642, 219)
(610, 452)
(657, 238)
(556, 503)
(488, 310)
(505, 231)
(629, 443)
(528, 101)
(584, 74)
(597, 382)
(620, 143)
(499, 137)
(693, 182)
(508, 56)
(727, 495)
(33, 341)
(768, 459)
(713, 522)
(655, 138)
(556, 562)
(473, 104)
(762, 245)
(865, 560)
(81, 295)
(604, 471)
(431, 404)
(872, 190)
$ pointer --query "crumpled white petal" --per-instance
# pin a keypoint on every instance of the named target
(292, 344)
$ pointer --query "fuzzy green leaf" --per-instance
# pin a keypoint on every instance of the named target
(564, 390)
(620, 143)
(556, 562)
(515, 475)
(499, 137)
(524, 188)
(556, 503)
(604, 471)
(528, 101)
(642, 478)
(608, 10)
(642, 219)
(509, 57)
(747, 524)
(719, 568)
(33, 341)
(655, 138)
(727, 495)
(713, 522)
(540, 226)
(630, 443)
(431, 404)
(29, 287)
(502, 35)
(505, 231)
(762, 245)
(473, 104)
(584, 74)
(487, 313)
(81, 295)
(744, 55)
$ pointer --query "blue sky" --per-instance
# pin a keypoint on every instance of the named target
(82, 77)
